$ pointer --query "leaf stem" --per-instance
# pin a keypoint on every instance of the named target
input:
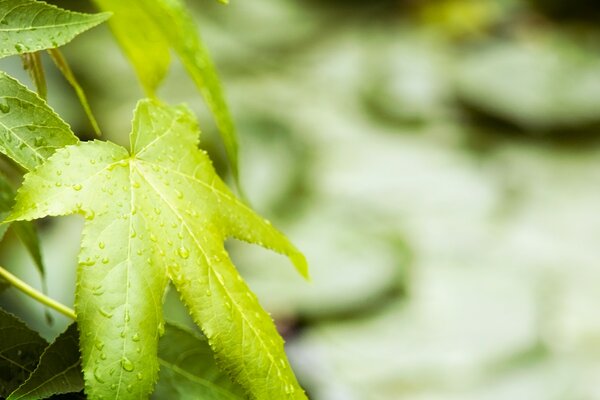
(36, 295)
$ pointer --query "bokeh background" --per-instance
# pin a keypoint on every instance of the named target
(437, 161)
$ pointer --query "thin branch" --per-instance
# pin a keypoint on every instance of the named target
(36, 295)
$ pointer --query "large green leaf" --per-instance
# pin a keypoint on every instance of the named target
(57, 372)
(147, 29)
(20, 350)
(188, 369)
(156, 213)
(27, 26)
(30, 131)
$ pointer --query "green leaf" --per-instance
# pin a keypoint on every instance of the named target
(188, 369)
(63, 66)
(25, 230)
(159, 213)
(20, 350)
(57, 372)
(32, 62)
(146, 29)
(145, 46)
(30, 131)
(27, 26)
(7, 200)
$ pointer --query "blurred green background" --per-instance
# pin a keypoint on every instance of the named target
(437, 161)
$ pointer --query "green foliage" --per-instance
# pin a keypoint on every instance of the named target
(57, 371)
(154, 214)
(188, 369)
(29, 130)
(159, 213)
(20, 349)
(27, 26)
(147, 30)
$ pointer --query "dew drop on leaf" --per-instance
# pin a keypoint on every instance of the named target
(136, 337)
(126, 364)
(105, 313)
(77, 187)
(105, 260)
(183, 252)
(99, 344)
(140, 376)
(101, 245)
(4, 107)
(98, 376)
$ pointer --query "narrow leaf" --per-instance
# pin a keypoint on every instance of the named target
(164, 24)
(20, 350)
(159, 213)
(188, 369)
(27, 26)
(178, 26)
(25, 230)
(32, 62)
(145, 46)
(30, 131)
(57, 372)
(63, 66)
(7, 199)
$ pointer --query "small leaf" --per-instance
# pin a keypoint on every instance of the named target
(7, 199)
(188, 369)
(27, 26)
(145, 46)
(32, 62)
(156, 214)
(20, 350)
(63, 66)
(30, 131)
(146, 29)
(25, 230)
(57, 372)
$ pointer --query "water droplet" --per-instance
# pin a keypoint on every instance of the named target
(153, 238)
(77, 187)
(130, 388)
(140, 376)
(90, 215)
(208, 292)
(157, 210)
(127, 317)
(99, 344)
(113, 386)
(183, 252)
(133, 233)
(19, 47)
(88, 262)
(289, 388)
(161, 328)
(102, 356)
(105, 313)
(135, 184)
(136, 337)
(98, 376)
(126, 364)
(122, 334)
(101, 245)
(105, 260)
(179, 194)
(38, 141)
(57, 184)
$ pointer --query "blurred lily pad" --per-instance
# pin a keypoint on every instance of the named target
(542, 85)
